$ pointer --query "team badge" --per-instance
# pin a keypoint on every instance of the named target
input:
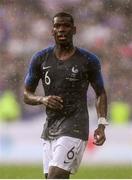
(74, 70)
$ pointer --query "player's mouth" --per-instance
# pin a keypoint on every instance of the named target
(62, 37)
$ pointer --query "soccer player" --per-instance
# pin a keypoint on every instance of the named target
(66, 72)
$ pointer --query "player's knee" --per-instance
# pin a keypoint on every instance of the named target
(58, 173)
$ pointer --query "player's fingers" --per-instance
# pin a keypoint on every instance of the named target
(99, 142)
(53, 104)
(99, 135)
(58, 98)
(96, 133)
(56, 104)
(99, 138)
(50, 105)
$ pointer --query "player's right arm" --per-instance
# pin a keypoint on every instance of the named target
(53, 102)
(31, 82)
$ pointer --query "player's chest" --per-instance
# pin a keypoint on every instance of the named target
(64, 72)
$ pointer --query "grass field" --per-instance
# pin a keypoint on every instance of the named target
(35, 172)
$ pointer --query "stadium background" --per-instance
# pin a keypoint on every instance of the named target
(103, 27)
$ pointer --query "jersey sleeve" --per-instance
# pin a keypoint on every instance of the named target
(95, 75)
(33, 75)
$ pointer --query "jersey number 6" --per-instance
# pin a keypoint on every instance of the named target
(70, 154)
(47, 78)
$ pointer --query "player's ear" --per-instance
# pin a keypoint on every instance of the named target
(74, 29)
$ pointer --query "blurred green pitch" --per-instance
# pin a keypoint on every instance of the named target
(90, 172)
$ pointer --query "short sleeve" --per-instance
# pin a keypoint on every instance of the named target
(33, 75)
(95, 75)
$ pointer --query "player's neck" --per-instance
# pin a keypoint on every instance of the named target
(63, 52)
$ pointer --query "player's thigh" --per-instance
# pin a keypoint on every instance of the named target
(47, 155)
(80, 153)
(66, 152)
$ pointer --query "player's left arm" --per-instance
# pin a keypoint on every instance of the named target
(101, 106)
(101, 102)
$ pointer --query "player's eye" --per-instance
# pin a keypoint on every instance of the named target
(65, 25)
(56, 25)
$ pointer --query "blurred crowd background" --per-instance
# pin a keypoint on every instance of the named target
(103, 27)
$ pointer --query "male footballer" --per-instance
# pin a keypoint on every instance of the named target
(66, 72)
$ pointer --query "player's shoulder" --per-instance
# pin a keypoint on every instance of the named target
(43, 52)
(39, 56)
(89, 56)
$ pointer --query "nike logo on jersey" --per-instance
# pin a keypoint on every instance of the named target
(46, 67)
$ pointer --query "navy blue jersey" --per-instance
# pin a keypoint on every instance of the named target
(68, 79)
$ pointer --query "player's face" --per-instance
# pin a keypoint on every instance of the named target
(63, 30)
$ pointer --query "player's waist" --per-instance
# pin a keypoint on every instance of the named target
(66, 111)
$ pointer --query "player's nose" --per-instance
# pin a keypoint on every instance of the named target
(61, 28)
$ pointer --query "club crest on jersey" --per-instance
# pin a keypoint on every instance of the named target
(74, 70)
(73, 75)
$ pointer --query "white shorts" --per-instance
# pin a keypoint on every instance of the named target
(65, 152)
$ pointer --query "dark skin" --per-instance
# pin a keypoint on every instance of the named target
(63, 31)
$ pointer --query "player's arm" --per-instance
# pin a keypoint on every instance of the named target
(101, 106)
(31, 83)
(30, 97)
(53, 102)
(101, 103)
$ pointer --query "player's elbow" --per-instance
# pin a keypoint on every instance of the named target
(25, 98)
(101, 93)
(104, 93)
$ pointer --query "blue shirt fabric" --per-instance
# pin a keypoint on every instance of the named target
(70, 80)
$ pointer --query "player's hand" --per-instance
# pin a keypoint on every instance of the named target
(99, 135)
(53, 102)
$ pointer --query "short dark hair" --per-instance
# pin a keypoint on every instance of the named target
(64, 14)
